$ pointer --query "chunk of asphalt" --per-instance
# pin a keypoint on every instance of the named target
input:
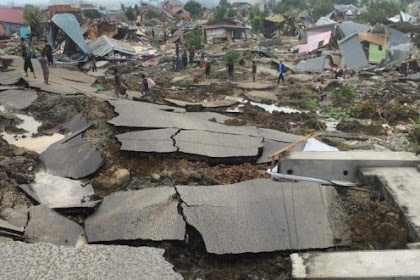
(149, 141)
(17, 99)
(46, 261)
(148, 214)
(262, 216)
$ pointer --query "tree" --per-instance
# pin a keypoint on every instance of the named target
(33, 17)
(130, 13)
(379, 11)
(289, 6)
(92, 14)
(256, 23)
(231, 14)
(193, 38)
(193, 7)
(321, 8)
(224, 3)
(220, 13)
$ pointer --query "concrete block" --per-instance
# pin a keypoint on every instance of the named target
(342, 165)
(388, 264)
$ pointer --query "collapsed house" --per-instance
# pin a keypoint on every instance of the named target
(223, 32)
(65, 31)
(111, 49)
(279, 23)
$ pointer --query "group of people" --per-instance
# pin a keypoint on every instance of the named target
(180, 60)
(230, 67)
(45, 60)
(121, 89)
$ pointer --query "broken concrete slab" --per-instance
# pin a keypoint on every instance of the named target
(342, 165)
(72, 157)
(149, 141)
(262, 216)
(17, 217)
(386, 264)
(148, 214)
(256, 86)
(17, 99)
(60, 193)
(46, 261)
(402, 186)
(204, 104)
(138, 114)
(279, 136)
(271, 146)
(261, 96)
(46, 226)
(217, 145)
(9, 230)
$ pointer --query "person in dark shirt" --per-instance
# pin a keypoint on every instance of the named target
(118, 82)
(28, 63)
(185, 58)
(192, 55)
(48, 53)
(254, 70)
(94, 68)
(230, 69)
(22, 47)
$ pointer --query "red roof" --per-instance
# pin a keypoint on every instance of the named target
(11, 16)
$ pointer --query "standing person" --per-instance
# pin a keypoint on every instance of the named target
(144, 85)
(48, 53)
(28, 63)
(185, 58)
(192, 54)
(118, 82)
(22, 47)
(230, 69)
(94, 69)
(254, 70)
(179, 61)
(177, 49)
(281, 72)
(153, 33)
(44, 65)
(207, 66)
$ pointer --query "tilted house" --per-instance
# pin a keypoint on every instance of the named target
(374, 45)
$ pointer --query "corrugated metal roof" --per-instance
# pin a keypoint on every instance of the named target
(348, 28)
(104, 45)
(354, 57)
(324, 21)
(397, 37)
(69, 24)
(311, 65)
(11, 16)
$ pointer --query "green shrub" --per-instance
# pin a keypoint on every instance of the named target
(344, 96)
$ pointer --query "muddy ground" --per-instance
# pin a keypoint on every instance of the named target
(373, 222)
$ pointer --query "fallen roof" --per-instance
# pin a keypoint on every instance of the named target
(147, 214)
(375, 38)
(45, 261)
(104, 45)
(11, 15)
(276, 18)
(69, 25)
(223, 26)
(348, 28)
(397, 37)
(324, 21)
(354, 57)
(311, 65)
(261, 216)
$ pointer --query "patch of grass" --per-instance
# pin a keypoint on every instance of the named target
(414, 134)
(344, 96)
